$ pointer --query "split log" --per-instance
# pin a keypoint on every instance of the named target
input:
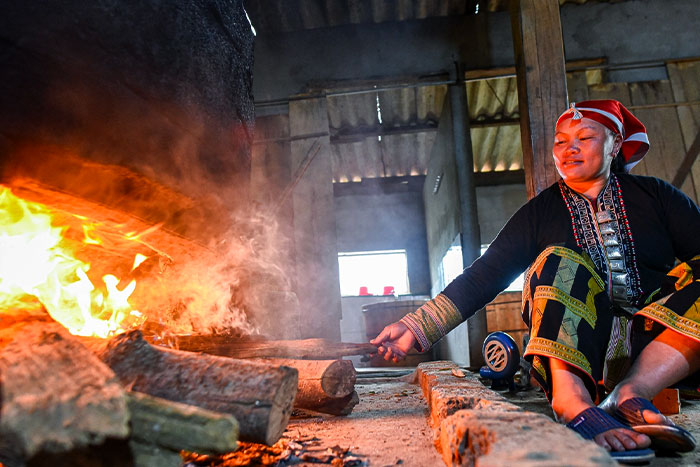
(177, 427)
(320, 382)
(259, 396)
(236, 347)
(56, 396)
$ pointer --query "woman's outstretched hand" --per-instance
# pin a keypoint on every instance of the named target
(394, 341)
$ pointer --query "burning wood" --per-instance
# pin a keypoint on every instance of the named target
(194, 397)
(304, 451)
(259, 396)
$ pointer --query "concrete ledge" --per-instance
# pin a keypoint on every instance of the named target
(446, 393)
(477, 426)
(492, 438)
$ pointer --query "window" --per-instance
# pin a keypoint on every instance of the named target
(375, 272)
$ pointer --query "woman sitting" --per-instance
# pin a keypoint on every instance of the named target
(609, 307)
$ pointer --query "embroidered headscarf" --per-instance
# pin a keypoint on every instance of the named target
(618, 119)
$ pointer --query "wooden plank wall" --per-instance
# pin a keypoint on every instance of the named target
(685, 84)
(503, 314)
(671, 128)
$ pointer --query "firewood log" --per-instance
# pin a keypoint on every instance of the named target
(313, 349)
(56, 396)
(259, 396)
(177, 427)
(320, 381)
(336, 406)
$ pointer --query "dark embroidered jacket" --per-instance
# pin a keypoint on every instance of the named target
(653, 223)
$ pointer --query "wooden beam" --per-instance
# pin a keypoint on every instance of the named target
(541, 76)
(355, 134)
(380, 185)
(501, 177)
(509, 71)
(687, 163)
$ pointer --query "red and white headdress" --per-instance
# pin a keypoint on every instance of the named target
(617, 118)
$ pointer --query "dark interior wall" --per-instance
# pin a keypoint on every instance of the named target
(163, 88)
(624, 32)
(386, 221)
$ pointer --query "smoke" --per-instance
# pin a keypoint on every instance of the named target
(150, 121)
(237, 285)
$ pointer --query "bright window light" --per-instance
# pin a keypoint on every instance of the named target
(452, 267)
(373, 273)
(517, 284)
(452, 264)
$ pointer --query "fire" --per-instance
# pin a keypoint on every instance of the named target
(37, 259)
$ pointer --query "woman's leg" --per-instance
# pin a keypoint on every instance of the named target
(674, 353)
(570, 397)
(665, 361)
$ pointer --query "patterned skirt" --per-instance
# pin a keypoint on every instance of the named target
(571, 317)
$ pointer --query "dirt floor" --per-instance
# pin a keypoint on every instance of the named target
(390, 427)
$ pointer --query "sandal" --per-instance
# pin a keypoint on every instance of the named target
(593, 421)
(663, 437)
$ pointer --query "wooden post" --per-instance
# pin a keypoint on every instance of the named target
(541, 76)
(317, 288)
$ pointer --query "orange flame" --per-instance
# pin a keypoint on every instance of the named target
(36, 259)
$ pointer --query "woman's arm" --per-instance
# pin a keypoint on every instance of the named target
(511, 252)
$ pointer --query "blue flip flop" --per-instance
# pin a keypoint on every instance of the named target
(593, 421)
(663, 437)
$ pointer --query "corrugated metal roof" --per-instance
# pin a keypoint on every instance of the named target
(400, 145)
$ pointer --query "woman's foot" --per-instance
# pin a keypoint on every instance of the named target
(616, 439)
(570, 397)
(626, 391)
